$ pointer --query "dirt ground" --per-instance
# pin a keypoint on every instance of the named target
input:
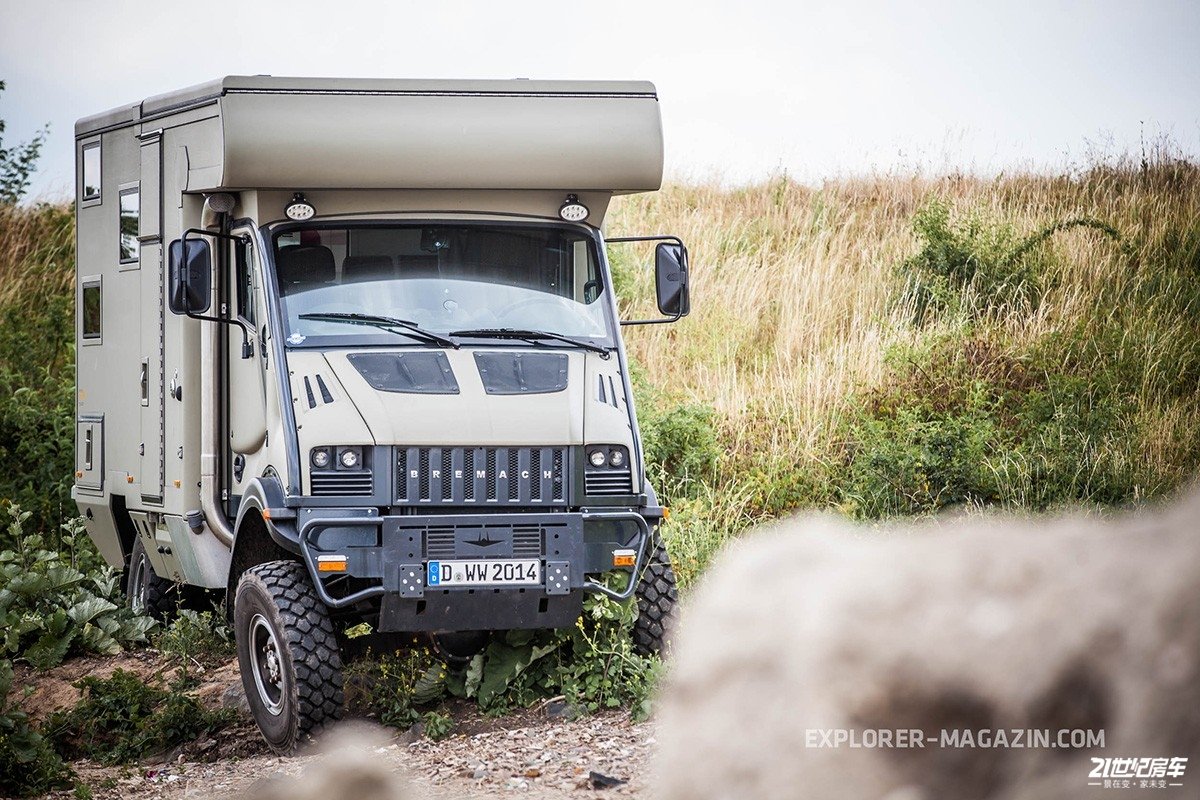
(538, 752)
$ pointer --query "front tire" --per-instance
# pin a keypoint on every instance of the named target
(145, 592)
(656, 598)
(287, 654)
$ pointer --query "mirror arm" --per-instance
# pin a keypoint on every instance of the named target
(661, 320)
(247, 349)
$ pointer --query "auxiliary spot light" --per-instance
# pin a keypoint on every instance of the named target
(572, 210)
(299, 209)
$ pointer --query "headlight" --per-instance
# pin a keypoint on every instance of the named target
(616, 457)
(349, 458)
(320, 457)
(597, 457)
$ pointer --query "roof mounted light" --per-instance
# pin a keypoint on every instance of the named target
(220, 203)
(299, 209)
(572, 210)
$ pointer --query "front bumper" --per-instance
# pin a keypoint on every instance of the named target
(387, 559)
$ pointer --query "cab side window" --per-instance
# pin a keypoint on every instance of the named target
(245, 281)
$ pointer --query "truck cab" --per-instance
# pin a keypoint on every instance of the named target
(350, 351)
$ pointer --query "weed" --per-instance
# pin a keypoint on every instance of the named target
(196, 639)
(438, 726)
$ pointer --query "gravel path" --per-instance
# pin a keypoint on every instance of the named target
(545, 758)
(536, 753)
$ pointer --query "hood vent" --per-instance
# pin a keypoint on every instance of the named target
(522, 373)
(606, 391)
(406, 373)
(316, 389)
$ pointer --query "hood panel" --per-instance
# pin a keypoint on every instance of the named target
(473, 416)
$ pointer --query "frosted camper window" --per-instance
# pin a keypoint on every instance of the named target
(90, 310)
(91, 172)
(129, 225)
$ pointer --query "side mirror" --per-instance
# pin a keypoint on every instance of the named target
(190, 277)
(671, 279)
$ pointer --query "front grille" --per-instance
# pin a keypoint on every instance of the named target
(479, 476)
(527, 540)
(342, 484)
(605, 482)
(439, 542)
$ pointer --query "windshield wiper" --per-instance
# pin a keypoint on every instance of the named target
(402, 326)
(529, 336)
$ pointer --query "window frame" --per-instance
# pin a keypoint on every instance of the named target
(129, 190)
(85, 283)
(96, 199)
(273, 231)
(244, 260)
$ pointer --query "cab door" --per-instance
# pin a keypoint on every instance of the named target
(246, 409)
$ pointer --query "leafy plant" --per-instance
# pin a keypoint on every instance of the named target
(438, 726)
(592, 665)
(196, 639)
(391, 686)
(49, 608)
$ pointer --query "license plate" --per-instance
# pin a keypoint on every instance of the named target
(484, 572)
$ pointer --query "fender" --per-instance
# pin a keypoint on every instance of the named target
(265, 495)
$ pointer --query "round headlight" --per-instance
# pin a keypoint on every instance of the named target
(349, 459)
(597, 457)
(320, 458)
(616, 457)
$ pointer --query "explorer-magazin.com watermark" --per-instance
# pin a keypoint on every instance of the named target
(953, 738)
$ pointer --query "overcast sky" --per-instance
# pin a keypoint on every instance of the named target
(747, 87)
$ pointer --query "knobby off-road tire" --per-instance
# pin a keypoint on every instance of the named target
(145, 592)
(656, 597)
(287, 653)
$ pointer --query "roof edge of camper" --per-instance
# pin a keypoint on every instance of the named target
(327, 133)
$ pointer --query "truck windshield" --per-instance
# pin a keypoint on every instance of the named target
(444, 278)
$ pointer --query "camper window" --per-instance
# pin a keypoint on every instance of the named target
(91, 172)
(90, 309)
(128, 222)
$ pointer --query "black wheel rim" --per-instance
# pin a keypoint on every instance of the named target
(267, 665)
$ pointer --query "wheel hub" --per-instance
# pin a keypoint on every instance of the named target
(266, 664)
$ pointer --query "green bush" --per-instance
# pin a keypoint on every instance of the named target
(37, 411)
(50, 608)
(29, 764)
(976, 267)
(122, 718)
(680, 441)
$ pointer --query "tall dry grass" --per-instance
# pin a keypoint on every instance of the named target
(794, 289)
(799, 302)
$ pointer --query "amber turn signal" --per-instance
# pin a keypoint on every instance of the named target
(331, 563)
(624, 558)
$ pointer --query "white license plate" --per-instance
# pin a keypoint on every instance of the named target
(484, 572)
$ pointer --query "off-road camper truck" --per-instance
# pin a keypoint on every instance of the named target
(348, 350)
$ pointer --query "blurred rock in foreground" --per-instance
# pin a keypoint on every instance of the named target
(977, 625)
